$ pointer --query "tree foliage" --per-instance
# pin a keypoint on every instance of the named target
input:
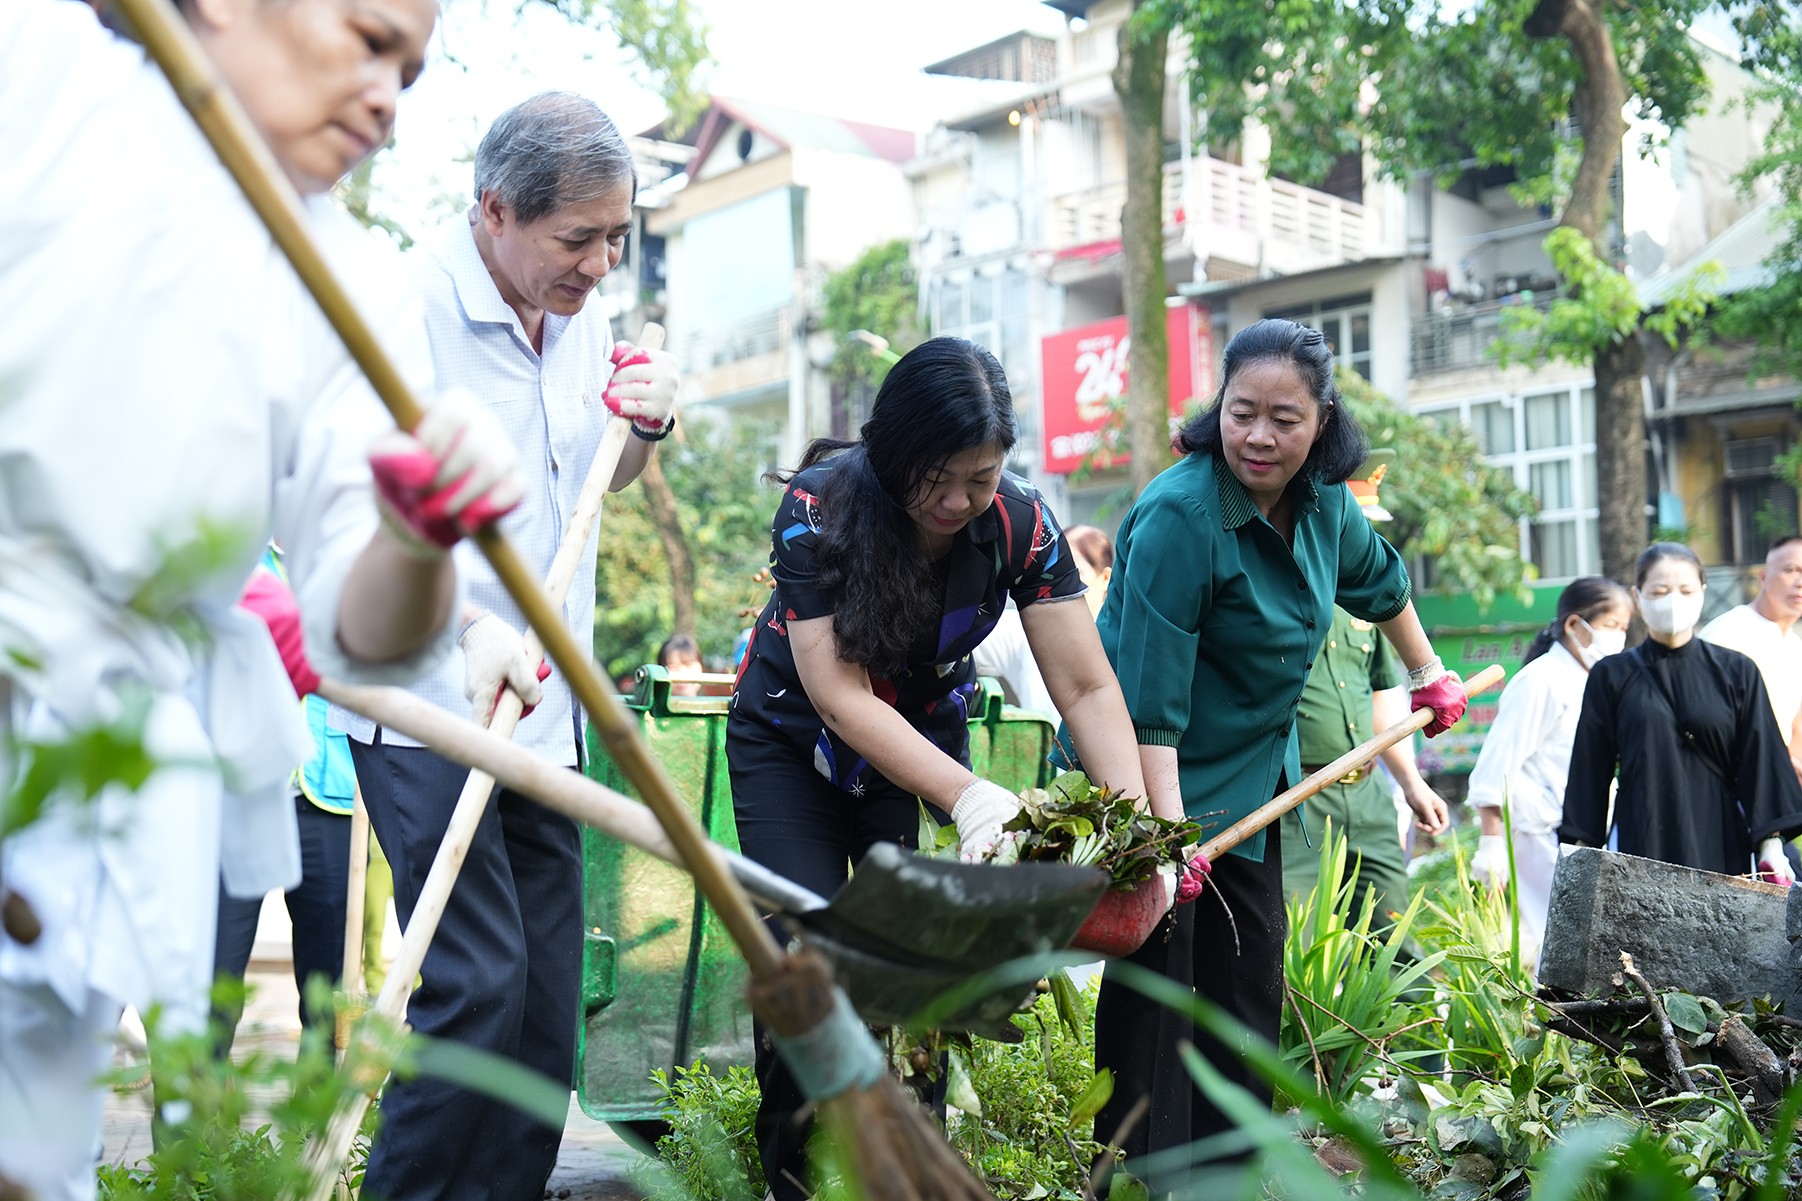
(713, 465)
(1449, 506)
(1772, 315)
(1602, 307)
(879, 294)
(666, 38)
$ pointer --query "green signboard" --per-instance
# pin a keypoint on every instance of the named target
(1470, 639)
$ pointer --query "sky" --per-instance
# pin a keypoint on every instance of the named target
(854, 58)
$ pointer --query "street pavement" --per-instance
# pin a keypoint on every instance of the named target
(593, 1165)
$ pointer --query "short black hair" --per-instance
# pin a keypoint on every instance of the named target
(1649, 557)
(1341, 447)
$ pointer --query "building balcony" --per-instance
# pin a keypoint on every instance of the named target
(1231, 215)
(1459, 337)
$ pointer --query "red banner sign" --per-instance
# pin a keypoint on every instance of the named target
(1085, 372)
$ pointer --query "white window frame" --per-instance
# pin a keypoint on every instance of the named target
(1578, 453)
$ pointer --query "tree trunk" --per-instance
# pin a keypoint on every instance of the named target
(1139, 82)
(1621, 455)
(668, 520)
(1601, 94)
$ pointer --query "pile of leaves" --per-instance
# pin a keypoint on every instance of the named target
(1077, 821)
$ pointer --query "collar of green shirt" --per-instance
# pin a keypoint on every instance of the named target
(1236, 505)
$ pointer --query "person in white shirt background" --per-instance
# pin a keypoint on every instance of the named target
(170, 397)
(507, 311)
(1765, 632)
(1526, 754)
(1005, 655)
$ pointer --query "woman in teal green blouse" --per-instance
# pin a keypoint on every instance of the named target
(1225, 576)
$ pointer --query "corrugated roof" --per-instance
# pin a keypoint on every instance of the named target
(1744, 249)
(788, 127)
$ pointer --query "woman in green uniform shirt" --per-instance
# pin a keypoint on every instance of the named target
(1225, 576)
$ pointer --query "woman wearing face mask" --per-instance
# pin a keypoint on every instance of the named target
(1704, 777)
(1526, 754)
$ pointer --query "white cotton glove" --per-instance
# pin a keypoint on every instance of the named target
(494, 657)
(981, 810)
(1773, 864)
(1490, 864)
(455, 472)
(643, 388)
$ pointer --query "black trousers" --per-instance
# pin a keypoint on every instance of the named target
(795, 822)
(503, 974)
(1137, 1038)
(315, 908)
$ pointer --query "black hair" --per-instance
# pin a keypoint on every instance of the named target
(1648, 558)
(1780, 543)
(680, 644)
(1341, 447)
(945, 396)
(1588, 597)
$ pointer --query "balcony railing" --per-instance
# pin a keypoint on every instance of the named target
(1230, 213)
(765, 333)
(1451, 339)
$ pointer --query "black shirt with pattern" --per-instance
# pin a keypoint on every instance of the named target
(1014, 547)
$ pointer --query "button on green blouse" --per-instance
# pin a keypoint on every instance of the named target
(1212, 623)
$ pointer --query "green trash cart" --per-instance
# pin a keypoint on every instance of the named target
(662, 984)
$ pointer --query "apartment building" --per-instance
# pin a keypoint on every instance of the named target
(1020, 248)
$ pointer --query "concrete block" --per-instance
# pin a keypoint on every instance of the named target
(1726, 937)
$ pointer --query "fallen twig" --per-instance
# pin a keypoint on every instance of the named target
(1103, 1165)
(1769, 1078)
(1313, 1051)
(1666, 1032)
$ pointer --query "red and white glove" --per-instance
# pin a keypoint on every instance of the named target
(643, 388)
(494, 657)
(453, 474)
(273, 601)
(1193, 879)
(1773, 864)
(981, 810)
(1431, 686)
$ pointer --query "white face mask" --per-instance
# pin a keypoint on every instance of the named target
(1602, 643)
(1671, 613)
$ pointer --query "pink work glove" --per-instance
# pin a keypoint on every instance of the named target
(273, 601)
(1445, 697)
(452, 475)
(1194, 877)
(643, 388)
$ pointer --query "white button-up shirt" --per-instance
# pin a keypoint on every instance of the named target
(1525, 759)
(1777, 653)
(550, 405)
(170, 396)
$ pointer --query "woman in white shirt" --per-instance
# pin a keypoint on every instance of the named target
(170, 398)
(1526, 754)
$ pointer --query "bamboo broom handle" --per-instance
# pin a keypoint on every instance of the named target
(240, 148)
(355, 891)
(1353, 759)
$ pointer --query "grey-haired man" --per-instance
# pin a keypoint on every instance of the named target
(506, 308)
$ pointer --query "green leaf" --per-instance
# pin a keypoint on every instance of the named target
(1093, 1098)
(1686, 1013)
(958, 1090)
(494, 1076)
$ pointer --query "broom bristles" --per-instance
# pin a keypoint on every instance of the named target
(891, 1145)
(894, 1149)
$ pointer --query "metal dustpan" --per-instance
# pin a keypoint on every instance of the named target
(911, 936)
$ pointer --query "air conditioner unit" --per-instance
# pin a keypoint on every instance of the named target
(1745, 458)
